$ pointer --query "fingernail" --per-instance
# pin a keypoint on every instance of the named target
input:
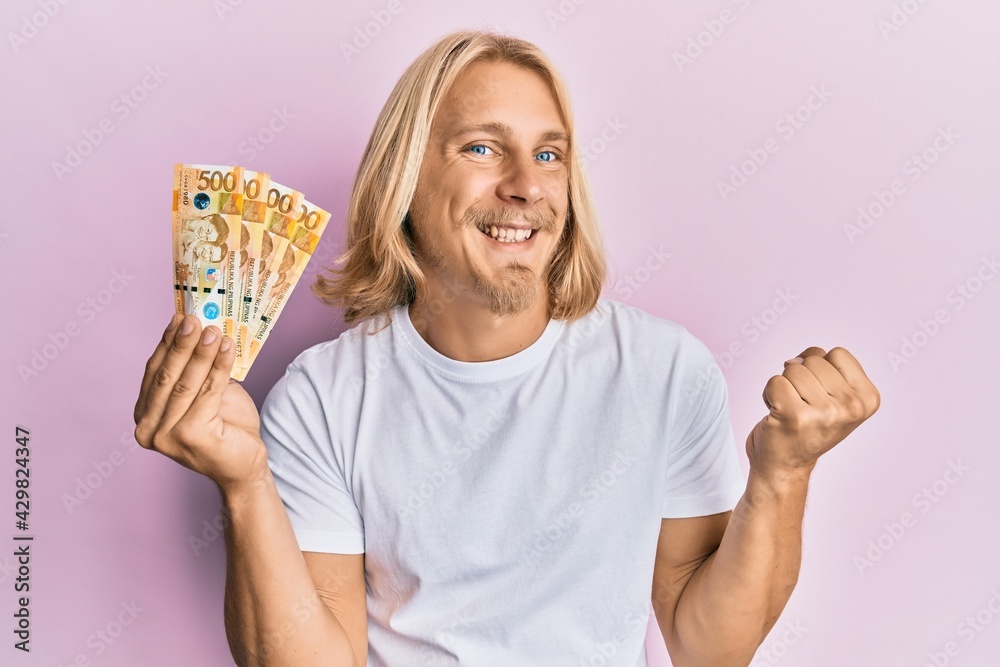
(173, 322)
(207, 336)
(188, 325)
(794, 360)
(225, 344)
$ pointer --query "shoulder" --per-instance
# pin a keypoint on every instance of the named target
(642, 331)
(334, 370)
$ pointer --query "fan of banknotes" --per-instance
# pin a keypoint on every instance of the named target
(241, 243)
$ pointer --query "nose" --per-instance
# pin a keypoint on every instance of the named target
(521, 182)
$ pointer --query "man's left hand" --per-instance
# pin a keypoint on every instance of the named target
(813, 405)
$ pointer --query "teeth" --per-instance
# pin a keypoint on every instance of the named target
(506, 235)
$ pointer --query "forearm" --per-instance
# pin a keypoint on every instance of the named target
(735, 597)
(273, 613)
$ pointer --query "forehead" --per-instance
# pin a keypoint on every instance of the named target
(491, 92)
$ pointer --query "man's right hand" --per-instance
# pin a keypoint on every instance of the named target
(190, 410)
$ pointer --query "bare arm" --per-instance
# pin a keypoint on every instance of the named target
(717, 602)
(274, 614)
(718, 609)
(189, 410)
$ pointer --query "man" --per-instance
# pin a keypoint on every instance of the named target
(211, 228)
(511, 470)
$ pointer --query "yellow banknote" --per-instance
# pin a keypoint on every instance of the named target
(207, 211)
(299, 248)
(255, 193)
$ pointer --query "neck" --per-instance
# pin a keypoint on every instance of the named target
(465, 329)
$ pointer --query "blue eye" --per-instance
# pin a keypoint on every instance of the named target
(472, 148)
(549, 153)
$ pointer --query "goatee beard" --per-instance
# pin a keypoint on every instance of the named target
(514, 292)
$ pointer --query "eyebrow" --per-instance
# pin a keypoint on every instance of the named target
(504, 130)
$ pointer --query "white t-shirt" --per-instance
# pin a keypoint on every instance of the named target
(508, 510)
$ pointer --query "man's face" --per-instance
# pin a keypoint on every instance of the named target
(208, 253)
(203, 230)
(498, 154)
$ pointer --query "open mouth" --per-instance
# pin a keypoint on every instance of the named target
(506, 234)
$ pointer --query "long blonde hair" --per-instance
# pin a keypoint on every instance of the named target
(378, 270)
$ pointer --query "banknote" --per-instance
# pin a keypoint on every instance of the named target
(207, 211)
(282, 204)
(299, 247)
(255, 193)
(241, 242)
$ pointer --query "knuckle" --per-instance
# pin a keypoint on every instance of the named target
(162, 377)
(211, 384)
(161, 439)
(141, 434)
(798, 421)
(812, 361)
(876, 400)
(854, 407)
(181, 388)
(178, 343)
(183, 432)
(190, 436)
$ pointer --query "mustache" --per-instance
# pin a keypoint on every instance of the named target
(477, 216)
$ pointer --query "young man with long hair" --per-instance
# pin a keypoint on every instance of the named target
(494, 465)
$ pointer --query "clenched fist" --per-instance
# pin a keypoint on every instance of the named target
(813, 405)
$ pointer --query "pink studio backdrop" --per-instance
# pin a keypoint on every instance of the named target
(771, 175)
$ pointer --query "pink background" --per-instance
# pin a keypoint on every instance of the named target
(662, 136)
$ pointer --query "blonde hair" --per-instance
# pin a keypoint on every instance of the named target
(379, 270)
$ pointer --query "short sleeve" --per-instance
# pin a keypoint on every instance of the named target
(308, 469)
(703, 469)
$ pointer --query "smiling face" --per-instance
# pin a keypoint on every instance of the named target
(202, 229)
(207, 252)
(497, 160)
